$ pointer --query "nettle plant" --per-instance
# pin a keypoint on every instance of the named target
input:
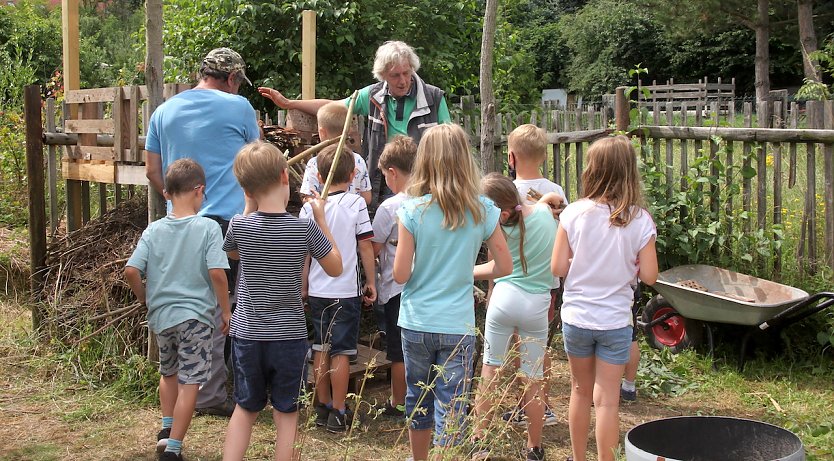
(700, 219)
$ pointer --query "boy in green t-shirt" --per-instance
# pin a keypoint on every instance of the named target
(182, 260)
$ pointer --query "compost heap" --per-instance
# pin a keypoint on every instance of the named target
(85, 292)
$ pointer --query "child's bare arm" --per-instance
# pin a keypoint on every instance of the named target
(234, 254)
(134, 280)
(560, 261)
(484, 271)
(221, 290)
(378, 246)
(497, 245)
(305, 272)
(366, 194)
(647, 263)
(404, 257)
(366, 255)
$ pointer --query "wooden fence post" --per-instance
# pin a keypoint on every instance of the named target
(37, 201)
(621, 109)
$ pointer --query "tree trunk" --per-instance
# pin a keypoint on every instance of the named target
(762, 52)
(807, 38)
(487, 95)
(154, 81)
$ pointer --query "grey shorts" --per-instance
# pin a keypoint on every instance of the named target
(185, 350)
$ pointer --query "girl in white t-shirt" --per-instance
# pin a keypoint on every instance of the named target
(604, 240)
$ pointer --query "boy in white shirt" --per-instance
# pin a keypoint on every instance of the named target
(336, 302)
(331, 120)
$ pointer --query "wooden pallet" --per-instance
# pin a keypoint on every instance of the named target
(369, 362)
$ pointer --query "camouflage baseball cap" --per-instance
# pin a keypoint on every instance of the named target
(226, 60)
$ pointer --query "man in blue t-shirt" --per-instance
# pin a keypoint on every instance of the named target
(209, 124)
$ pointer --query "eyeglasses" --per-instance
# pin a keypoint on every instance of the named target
(205, 196)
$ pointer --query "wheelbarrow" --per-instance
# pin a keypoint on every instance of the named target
(693, 298)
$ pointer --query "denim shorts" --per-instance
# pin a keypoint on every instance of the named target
(438, 371)
(393, 341)
(611, 346)
(278, 367)
(185, 350)
(335, 324)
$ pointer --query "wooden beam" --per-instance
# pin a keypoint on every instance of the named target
(308, 54)
(69, 29)
(37, 201)
(96, 172)
(735, 134)
(89, 126)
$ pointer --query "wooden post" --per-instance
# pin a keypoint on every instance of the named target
(37, 202)
(488, 160)
(308, 54)
(621, 109)
(72, 81)
(828, 178)
(154, 79)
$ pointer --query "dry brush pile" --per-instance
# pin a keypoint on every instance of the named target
(85, 293)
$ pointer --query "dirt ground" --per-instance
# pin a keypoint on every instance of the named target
(44, 418)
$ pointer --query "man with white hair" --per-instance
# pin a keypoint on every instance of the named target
(401, 103)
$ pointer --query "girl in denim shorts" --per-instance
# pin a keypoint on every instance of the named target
(604, 241)
(441, 227)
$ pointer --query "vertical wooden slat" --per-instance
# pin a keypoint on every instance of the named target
(52, 169)
(578, 160)
(815, 111)
(746, 184)
(713, 153)
(567, 179)
(670, 152)
(792, 123)
(102, 198)
(763, 116)
(120, 125)
(133, 131)
(557, 166)
(828, 175)
(777, 206)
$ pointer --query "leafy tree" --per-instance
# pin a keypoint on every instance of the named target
(608, 37)
(446, 36)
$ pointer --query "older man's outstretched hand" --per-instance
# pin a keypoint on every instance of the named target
(275, 96)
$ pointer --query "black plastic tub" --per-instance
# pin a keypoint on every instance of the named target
(711, 438)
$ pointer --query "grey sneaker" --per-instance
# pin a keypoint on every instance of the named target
(628, 396)
(224, 409)
(162, 439)
(515, 416)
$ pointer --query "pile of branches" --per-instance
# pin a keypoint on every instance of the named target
(85, 293)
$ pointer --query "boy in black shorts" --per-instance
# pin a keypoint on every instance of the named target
(268, 329)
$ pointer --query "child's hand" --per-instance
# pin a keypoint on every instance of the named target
(317, 204)
(555, 201)
(369, 294)
(226, 318)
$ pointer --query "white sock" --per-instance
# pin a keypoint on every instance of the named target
(629, 386)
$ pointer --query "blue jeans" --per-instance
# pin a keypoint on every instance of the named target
(437, 371)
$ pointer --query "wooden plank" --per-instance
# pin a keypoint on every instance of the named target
(91, 95)
(577, 136)
(102, 198)
(761, 169)
(91, 153)
(85, 202)
(80, 171)
(670, 153)
(89, 126)
(737, 134)
(578, 150)
(567, 180)
(133, 141)
(557, 165)
(746, 184)
(120, 126)
(131, 174)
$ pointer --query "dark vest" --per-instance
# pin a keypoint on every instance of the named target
(423, 117)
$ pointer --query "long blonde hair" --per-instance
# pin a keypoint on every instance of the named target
(444, 168)
(501, 190)
(611, 177)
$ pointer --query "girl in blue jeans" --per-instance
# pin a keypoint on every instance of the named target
(605, 240)
(441, 228)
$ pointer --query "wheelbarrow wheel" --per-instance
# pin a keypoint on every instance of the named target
(675, 333)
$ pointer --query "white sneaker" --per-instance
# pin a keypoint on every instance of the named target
(550, 418)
